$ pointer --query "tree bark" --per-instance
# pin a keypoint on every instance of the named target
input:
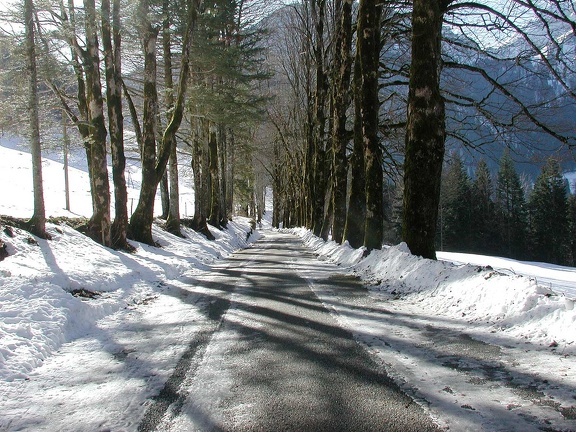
(229, 175)
(37, 223)
(369, 47)
(173, 219)
(319, 129)
(425, 130)
(65, 151)
(214, 218)
(199, 164)
(356, 214)
(153, 168)
(112, 61)
(140, 228)
(164, 187)
(341, 102)
(99, 224)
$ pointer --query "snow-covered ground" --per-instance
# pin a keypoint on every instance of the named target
(65, 361)
(68, 363)
(424, 320)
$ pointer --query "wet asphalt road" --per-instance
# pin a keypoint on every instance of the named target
(272, 358)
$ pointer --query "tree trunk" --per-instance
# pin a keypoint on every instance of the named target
(37, 223)
(76, 54)
(99, 224)
(214, 218)
(154, 168)
(425, 130)
(341, 101)
(197, 157)
(65, 151)
(113, 63)
(199, 165)
(369, 47)
(328, 214)
(222, 142)
(140, 228)
(319, 131)
(164, 196)
(229, 176)
(164, 185)
(356, 214)
(173, 216)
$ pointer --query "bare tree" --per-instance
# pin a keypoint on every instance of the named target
(173, 219)
(38, 221)
(425, 131)
(111, 42)
(341, 101)
(368, 44)
(153, 164)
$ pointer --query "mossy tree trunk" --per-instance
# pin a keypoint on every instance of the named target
(319, 162)
(356, 213)
(368, 44)
(173, 215)
(111, 43)
(99, 225)
(341, 102)
(425, 130)
(154, 165)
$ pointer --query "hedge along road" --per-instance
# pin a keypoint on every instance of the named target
(274, 359)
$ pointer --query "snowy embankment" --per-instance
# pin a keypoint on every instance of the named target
(486, 297)
(38, 313)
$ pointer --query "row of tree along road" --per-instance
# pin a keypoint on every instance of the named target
(378, 90)
(329, 101)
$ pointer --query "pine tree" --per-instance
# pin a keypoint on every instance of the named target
(511, 210)
(456, 205)
(483, 216)
(572, 227)
(548, 205)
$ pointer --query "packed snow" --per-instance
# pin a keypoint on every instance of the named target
(74, 363)
(481, 347)
(530, 301)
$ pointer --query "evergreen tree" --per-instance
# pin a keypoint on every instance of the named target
(548, 205)
(511, 210)
(455, 207)
(483, 216)
(572, 228)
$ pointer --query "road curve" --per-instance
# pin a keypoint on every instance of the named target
(278, 360)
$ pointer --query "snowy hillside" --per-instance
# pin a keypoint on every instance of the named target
(37, 312)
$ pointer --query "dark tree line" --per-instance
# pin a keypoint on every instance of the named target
(499, 215)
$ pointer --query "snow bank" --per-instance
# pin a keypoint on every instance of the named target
(38, 313)
(516, 305)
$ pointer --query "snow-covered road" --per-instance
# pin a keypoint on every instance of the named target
(246, 345)
(279, 360)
